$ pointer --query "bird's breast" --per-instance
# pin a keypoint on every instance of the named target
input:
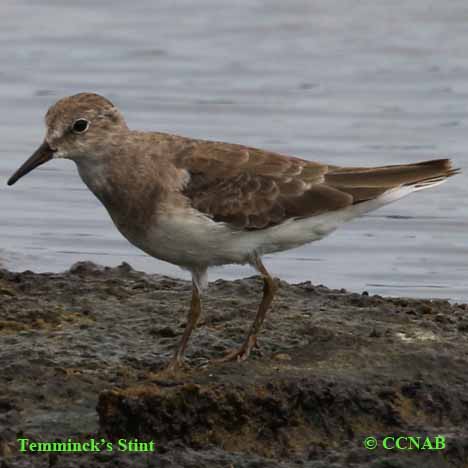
(130, 202)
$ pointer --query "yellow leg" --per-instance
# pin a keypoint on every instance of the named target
(269, 290)
(193, 316)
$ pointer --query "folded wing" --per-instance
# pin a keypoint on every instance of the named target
(253, 189)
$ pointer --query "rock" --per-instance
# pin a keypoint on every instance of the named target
(332, 369)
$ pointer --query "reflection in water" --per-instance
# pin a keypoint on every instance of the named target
(378, 83)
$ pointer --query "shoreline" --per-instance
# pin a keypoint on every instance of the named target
(83, 350)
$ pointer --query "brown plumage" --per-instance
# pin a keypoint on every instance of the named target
(199, 203)
(254, 189)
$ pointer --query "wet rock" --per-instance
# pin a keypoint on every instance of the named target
(332, 368)
(164, 332)
(84, 268)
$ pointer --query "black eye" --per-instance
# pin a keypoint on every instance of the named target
(80, 125)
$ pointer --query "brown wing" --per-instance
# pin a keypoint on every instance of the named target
(254, 189)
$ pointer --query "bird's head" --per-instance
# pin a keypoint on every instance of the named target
(78, 126)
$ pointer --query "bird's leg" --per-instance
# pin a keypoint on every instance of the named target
(194, 313)
(269, 289)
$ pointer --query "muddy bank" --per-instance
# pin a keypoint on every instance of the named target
(81, 354)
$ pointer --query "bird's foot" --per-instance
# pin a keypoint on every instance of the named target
(174, 369)
(176, 365)
(240, 354)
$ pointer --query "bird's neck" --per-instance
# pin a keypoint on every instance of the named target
(129, 204)
(95, 174)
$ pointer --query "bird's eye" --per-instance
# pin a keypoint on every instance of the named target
(80, 126)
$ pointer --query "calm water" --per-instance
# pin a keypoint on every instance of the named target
(376, 83)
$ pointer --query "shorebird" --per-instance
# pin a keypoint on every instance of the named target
(198, 203)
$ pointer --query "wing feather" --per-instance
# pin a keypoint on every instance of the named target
(254, 189)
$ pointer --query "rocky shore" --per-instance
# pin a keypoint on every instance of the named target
(81, 354)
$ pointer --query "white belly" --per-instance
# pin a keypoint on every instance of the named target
(195, 240)
(190, 239)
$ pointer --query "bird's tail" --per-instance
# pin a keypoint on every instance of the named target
(369, 183)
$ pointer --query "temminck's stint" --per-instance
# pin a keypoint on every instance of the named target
(200, 203)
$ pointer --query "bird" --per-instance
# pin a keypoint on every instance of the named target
(198, 203)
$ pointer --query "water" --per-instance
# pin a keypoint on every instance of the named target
(368, 83)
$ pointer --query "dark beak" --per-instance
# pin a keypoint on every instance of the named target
(43, 154)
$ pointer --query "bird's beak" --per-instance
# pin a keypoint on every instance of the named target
(43, 154)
